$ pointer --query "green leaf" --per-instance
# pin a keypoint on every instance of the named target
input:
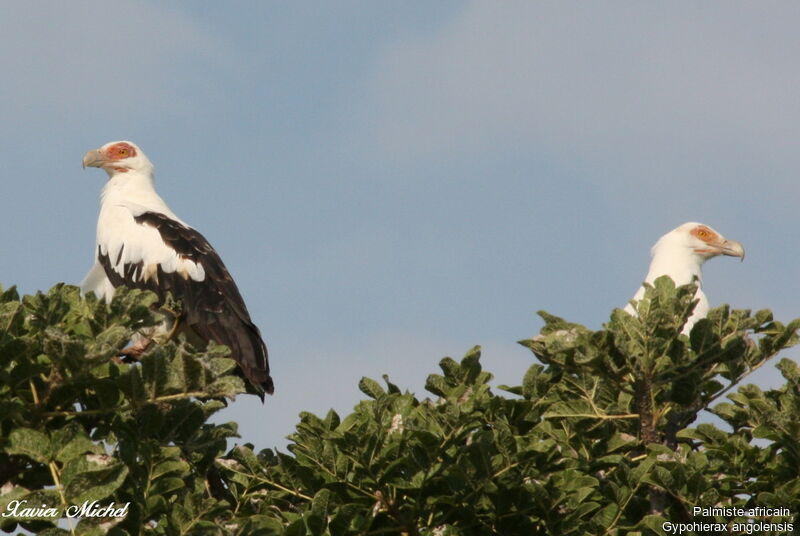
(92, 477)
(371, 388)
(605, 517)
(437, 385)
(71, 441)
(31, 443)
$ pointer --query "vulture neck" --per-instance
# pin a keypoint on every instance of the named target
(133, 188)
(677, 261)
(131, 183)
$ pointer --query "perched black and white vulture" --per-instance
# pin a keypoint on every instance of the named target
(142, 244)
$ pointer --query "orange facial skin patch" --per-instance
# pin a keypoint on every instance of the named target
(708, 236)
(119, 151)
(705, 234)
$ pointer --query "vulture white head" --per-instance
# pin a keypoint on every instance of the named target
(118, 157)
(681, 253)
(689, 246)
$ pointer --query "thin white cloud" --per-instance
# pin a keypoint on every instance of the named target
(96, 58)
(638, 87)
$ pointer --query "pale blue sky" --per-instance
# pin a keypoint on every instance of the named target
(390, 182)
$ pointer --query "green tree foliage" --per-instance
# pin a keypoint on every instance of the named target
(598, 438)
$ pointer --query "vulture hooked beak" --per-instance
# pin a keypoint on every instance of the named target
(732, 248)
(93, 158)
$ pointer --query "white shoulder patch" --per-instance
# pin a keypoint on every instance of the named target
(127, 242)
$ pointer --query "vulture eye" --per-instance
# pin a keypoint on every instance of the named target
(122, 151)
(703, 233)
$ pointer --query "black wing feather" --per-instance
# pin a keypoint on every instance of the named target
(213, 308)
